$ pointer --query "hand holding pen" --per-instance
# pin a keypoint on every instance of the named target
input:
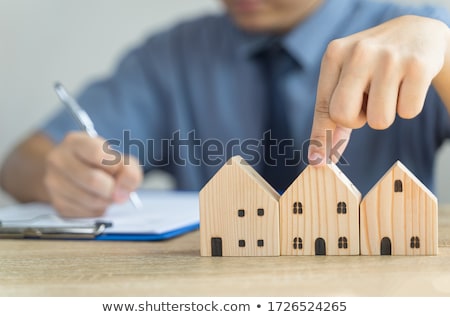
(78, 182)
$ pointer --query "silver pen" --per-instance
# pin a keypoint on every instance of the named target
(86, 125)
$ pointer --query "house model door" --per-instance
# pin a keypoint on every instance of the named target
(320, 247)
(386, 246)
(216, 246)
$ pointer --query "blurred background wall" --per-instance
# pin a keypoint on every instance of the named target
(76, 41)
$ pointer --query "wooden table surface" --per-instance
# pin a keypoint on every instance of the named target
(175, 268)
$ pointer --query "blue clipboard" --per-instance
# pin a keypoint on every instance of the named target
(148, 237)
(165, 215)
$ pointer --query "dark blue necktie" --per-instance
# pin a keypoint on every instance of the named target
(279, 163)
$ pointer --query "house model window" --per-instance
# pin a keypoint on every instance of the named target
(241, 212)
(260, 212)
(415, 243)
(297, 208)
(342, 243)
(398, 186)
(298, 243)
(241, 243)
(341, 207)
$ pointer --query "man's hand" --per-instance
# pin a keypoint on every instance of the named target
(371, 76)
(82, 180)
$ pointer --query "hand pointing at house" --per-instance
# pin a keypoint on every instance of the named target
(371, 76)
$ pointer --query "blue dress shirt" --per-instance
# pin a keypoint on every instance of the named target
(185, 93)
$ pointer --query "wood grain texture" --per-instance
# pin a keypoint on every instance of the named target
(237, 186)
(175, 268)
(319, 190)
(399, 216)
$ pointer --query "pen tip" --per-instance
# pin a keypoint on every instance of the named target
(57, 85)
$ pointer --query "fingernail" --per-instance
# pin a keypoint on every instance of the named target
(121, 195)
(315, 158)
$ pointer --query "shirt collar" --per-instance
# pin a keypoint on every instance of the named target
(308, 40)
(249, 43)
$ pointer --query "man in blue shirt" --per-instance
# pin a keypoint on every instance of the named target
(190, 97)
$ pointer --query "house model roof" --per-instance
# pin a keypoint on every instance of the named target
(333, 170)
(399, 166)
(237, 162)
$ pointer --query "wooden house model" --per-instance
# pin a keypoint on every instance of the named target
(239, 213)
(399, 216)
(319, 214)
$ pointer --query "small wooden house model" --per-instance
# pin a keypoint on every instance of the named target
(399, 216)
(239, 213)
(319, 214)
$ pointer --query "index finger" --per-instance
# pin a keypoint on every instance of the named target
(323, 125)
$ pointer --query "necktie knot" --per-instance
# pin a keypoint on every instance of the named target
(276, 60)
